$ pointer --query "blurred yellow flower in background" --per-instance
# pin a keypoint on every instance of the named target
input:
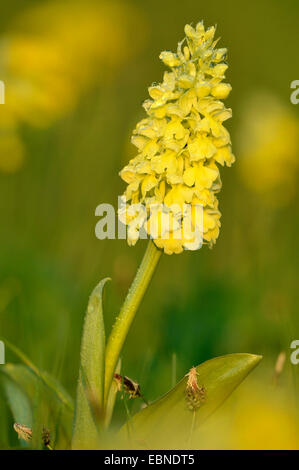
(179, 146)
(52, 55)
(269, 149)
(261, 416)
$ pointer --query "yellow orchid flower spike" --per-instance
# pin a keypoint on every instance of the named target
(181, 142)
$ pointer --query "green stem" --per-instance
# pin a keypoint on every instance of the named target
(126, 316)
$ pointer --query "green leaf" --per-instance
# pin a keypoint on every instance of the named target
(170, 422)
(18, 399)
(27, 394)
(112, 397)
(90, 390)
(44, 377)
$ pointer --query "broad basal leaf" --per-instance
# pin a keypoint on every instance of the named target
(89, 402)
(171, 421)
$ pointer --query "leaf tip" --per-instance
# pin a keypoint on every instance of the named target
(254, 359)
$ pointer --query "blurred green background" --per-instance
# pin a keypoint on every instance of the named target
(76, 73)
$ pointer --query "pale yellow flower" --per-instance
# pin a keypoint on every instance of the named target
(269, 149)
(260, 417)
(180, 143)
(54, 53)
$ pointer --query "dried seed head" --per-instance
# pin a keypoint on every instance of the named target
(129, 386)
(118, 381)
(195, 394)
(46, 437)
(24, 432)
